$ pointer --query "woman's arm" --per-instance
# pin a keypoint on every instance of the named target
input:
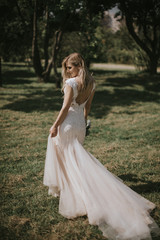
(64, 110)
(88, 105)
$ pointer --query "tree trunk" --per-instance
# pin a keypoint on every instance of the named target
(52, 63)
(153, 64)
(47, 72)
(58, 40)
(0, 73)
(46, 39)
(35, 51)
(44, 75)
(153, 48)
(88, 51)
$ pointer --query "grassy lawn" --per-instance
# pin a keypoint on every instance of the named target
(124, 136)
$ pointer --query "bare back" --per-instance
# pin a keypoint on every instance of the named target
(85, 94)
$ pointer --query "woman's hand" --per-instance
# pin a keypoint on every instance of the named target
(53, 131)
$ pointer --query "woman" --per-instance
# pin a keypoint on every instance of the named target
(84, 185)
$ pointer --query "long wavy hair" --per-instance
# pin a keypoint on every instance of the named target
(77, 60)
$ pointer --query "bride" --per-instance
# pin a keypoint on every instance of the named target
(84, 185)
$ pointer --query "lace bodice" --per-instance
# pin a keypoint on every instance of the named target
(73, 127)
(72, 83)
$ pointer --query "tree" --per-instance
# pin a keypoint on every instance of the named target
(0, 73)
(143, 22)
(15, 30)
(114, 46)
(59, 16)
(15, 35)
(64, 16)
(36, 23)
(91, 14)
(42, 24)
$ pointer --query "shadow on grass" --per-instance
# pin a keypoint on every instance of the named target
(7, 233)
(144, 187)
(18, 77)
(150, 83)
(19, 74)
(104, 100)
(38, 101)
(124, 92)
(130, 78)
(149, 187)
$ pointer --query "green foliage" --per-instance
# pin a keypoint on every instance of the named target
(16, 29)
(143, 23)
(115, 47)
(84, 30)
(124, 136)
(105, 45)
(66, 15)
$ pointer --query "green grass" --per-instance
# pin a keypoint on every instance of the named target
(124, 136)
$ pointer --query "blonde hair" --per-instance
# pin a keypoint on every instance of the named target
(77, 60)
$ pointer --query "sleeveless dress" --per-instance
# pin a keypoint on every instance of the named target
(86, 187)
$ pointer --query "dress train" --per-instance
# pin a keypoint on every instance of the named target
(86, 187)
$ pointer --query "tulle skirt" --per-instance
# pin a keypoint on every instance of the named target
(86, 187)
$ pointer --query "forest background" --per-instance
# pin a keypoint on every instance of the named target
(42, 33)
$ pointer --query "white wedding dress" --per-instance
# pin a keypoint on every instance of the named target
(86, 187)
